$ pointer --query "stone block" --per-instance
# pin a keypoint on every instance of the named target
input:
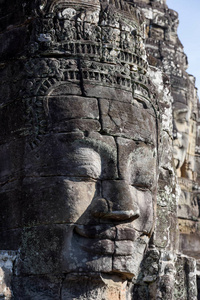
(129, 264)
(127, 120)
(189, 244)
(64, 108)
(106, 92)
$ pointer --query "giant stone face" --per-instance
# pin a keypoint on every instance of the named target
(87, 195)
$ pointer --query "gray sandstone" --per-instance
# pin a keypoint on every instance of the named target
(100, 154)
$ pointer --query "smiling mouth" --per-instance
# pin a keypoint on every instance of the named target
(105, 239)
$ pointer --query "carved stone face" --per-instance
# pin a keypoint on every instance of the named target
(91, 200)
(181, 138)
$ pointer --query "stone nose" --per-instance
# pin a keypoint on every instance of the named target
(117, 202)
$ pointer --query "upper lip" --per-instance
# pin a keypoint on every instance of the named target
(107, 231)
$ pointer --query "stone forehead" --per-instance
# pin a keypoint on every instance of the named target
(133, 120)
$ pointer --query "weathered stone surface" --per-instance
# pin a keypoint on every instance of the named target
(165, 51)
(89, 192)
(101, 287)
(37, 287)
(135, 124)
(48, 205)
(139, 168)
(185, 284)
(11, 165)
(63, 109)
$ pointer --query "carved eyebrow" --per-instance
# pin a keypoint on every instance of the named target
(100, 146)
(107, 154)
(89, 159)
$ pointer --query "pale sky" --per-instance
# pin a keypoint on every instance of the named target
(189, 33)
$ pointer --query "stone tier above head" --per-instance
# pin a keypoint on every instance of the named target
(100, 37)
(124, 6)
(108, 27)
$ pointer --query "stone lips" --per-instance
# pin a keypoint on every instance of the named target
(105, 239)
